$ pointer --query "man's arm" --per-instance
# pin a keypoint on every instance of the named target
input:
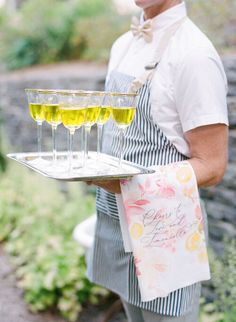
(209, 153)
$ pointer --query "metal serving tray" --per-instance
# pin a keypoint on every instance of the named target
(104, 168)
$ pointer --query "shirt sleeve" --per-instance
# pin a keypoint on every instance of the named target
(200, 90)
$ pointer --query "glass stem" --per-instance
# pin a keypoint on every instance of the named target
(71, 139)
(39, 138)
(99, 138)
(54, 142)
(82, 138)
(68, 143)
(86, 140)
(122, 135)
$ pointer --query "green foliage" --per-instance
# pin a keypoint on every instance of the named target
(224, 279)
(92, 8)
(216, 18)
(80, 29)
(58, 30)
(100, 39)
(3, 163)
(229, 316)
(3, 16)
(224, 282)
(36, 223)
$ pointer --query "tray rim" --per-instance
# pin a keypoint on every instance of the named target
(18, 158)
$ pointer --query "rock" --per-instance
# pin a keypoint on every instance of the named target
(217, 247)
(219, 229)
(232, 139)
(230, 69)
(225, 196)
(231, 77)
(232, 154)
(231, 102)
(208, 293)
(220, 211)
(229, 63)
(207, 193)
(229, 180)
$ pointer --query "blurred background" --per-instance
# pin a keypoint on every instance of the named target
(65, 44)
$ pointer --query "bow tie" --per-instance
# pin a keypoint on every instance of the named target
(142, 30)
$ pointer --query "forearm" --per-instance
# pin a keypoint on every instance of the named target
(206, 173)
(209, 150)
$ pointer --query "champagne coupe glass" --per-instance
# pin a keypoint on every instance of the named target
(95, 99)
(73, 107)
(37, 113)
(52, 114)
(103, 117)
(123, 112)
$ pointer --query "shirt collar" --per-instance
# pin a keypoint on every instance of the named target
(168, 17)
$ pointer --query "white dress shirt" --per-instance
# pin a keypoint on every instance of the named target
(189, 86)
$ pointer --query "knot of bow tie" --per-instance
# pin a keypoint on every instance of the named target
(142, 30)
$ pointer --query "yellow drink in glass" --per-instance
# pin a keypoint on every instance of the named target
(123, 116)
(92, 115)
(104, 114)
(52, 113)
(73, 117)
(36, 112)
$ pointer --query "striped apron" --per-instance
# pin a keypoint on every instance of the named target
(108, 264)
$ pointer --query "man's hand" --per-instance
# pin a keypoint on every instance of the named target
(112, 186)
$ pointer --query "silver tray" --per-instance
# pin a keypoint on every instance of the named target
(104, 168)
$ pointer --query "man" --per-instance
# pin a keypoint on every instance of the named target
(181, 114)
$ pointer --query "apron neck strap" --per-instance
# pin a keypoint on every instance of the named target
(150, 68)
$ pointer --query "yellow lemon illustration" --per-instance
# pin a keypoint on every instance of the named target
(136, 230)
(184, 174)
(201, 226)
(203, 257)
(193, 241)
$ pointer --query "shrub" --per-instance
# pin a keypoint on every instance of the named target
(58, 30)
(100, 33)
(224, 281)
(2, 157)
(36, 223)
(217, 19)
(45, 40)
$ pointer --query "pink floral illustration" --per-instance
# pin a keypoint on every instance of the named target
(135, 204)
(145, 188)
(134, 207)
(171, 246)
(160, 267)
(165, 190)
(136, 263)
(198, 213)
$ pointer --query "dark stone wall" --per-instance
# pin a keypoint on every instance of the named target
(221, 199)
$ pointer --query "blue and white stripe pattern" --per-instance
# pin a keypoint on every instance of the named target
(110, 266)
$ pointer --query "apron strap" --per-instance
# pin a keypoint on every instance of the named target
(150, 68)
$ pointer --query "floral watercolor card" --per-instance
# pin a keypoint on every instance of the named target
(163, 226)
